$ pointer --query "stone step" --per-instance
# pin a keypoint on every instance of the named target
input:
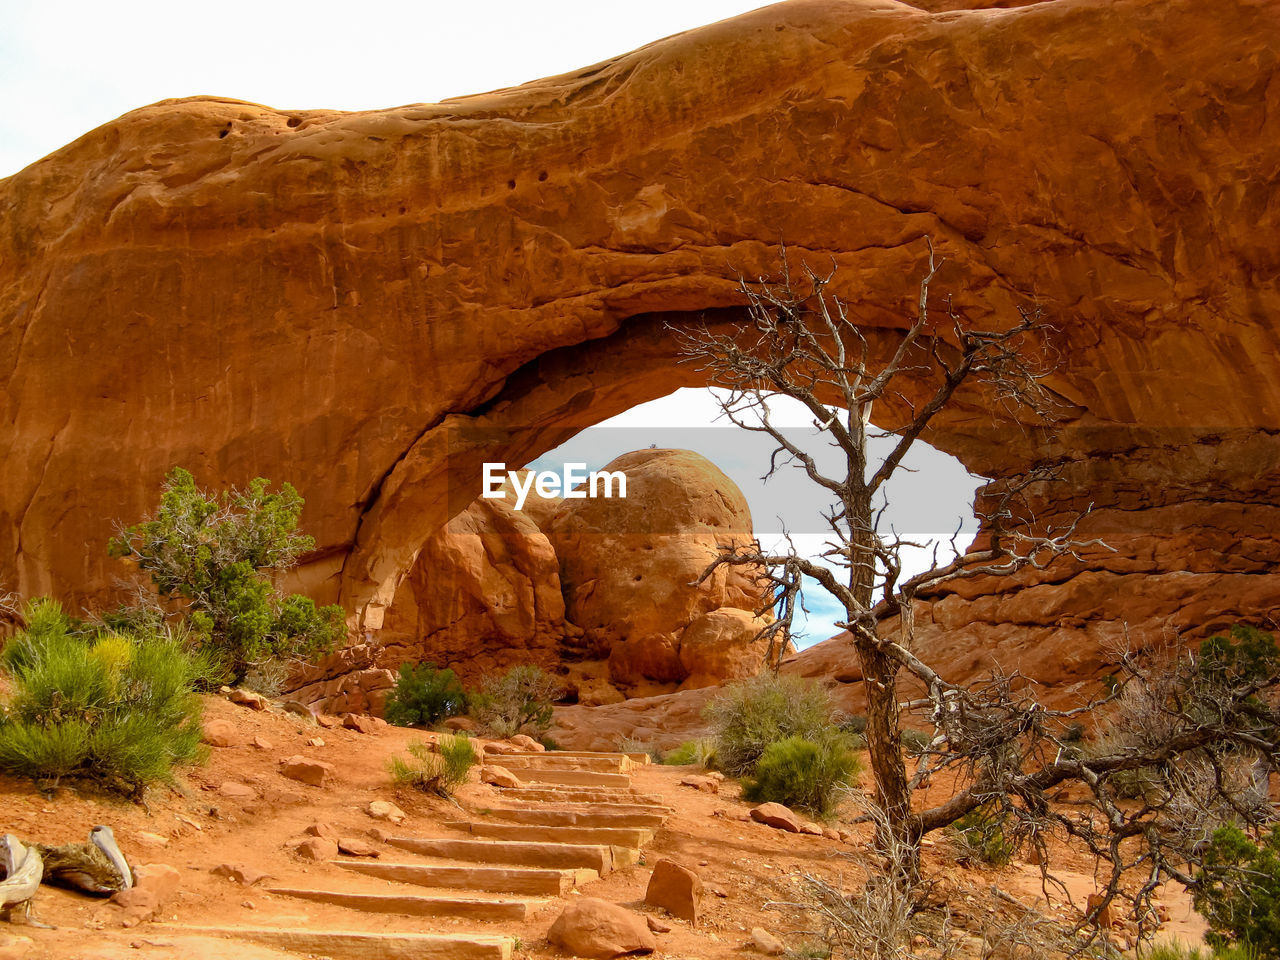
(564, 817)
(552, 856)
(634, 757)
(584, 778)
(415, 906)
(614, 836)
(533, 881)
(569, 794)
(600, 763)
(361, 945)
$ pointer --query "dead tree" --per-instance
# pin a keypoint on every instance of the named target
(802, 344)
(1206, 726)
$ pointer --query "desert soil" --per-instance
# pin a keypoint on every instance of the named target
(751, 872)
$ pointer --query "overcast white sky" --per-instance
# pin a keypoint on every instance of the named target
(67, 66)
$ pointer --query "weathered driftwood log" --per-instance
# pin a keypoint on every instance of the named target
(23, 871)
(97, 867)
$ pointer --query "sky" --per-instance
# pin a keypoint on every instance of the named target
(929, 499)
(67, 66)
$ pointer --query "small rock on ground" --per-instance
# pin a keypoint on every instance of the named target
(777, 816)
(598, 929)
(385, 810)
(766, 942)
(305, 770)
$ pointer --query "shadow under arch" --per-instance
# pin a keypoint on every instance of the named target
(565, 391)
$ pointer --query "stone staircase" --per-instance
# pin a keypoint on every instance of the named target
(576, 819)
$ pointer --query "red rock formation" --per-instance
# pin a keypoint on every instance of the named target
(628, 565)
(369, 305)
(483, 595)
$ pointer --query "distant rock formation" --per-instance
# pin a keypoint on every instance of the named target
(604, 597)
(627, 568)
(483, 596)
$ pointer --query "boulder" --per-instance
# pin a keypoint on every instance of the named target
(154, 885)
(317, 848)
(527, 743)
(705, 784)
(766, 943)
(321, 829)
(594, 928)
(234, 790)
(483, 595)
(219, 733)
(246, 698)
(305, 770)
(500, 748)
(675, 888)
(499, 776)
(241, 874)
(778, 816)
(363, 723)
(385, 810)
(355, 847)
(627, 567)
(722, 645)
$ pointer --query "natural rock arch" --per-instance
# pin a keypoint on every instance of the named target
(354, 302)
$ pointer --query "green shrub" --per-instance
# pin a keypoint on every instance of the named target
(519, 701)
(424, 695)
(636, 745)
(803, 774)
(980, 835)
(700, 752)
(1239, 890)
(439, 773)
(915, 742)
(748, 716)
(215, 554)
(1176, 950)
(116, 709)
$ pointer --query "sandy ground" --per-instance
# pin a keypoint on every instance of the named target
(752, 873)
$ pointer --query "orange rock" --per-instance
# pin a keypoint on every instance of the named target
(484, 594)
(317, 848)
(245, 876)
(305, 770)
(499, 776)
(235, 790)
(589, 927)
(627, 567)
(154, 885)
(1151, 265)
(779, 816)
(675, 888)
(355, 847)
(219, 733)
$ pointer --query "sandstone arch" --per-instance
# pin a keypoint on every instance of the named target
(353, 301)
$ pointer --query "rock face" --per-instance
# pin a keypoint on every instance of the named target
(484, 594)
(627, 565)
(436, 286)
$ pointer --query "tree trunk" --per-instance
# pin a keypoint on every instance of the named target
(883, 736)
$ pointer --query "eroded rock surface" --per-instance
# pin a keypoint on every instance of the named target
(483, 596)
(628, 567)
(372, 304)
